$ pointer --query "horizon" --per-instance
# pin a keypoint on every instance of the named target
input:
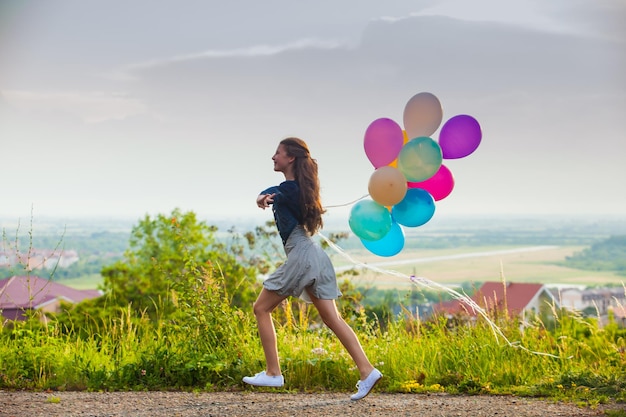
(616, 222)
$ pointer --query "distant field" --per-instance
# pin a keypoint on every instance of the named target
(88, 282)
(454, 266)
(476, 264)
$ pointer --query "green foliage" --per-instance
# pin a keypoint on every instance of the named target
(158, 260)
(606, 255)
(196, 346)
(210, 345)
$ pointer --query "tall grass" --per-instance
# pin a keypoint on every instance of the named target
(210, 345)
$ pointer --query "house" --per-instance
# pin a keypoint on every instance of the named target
(39, 258)
(520, 299)
(571, 298)
(600, 300)
(596, 302)
(19, 294)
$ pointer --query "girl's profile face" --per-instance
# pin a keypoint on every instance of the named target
(281, 160)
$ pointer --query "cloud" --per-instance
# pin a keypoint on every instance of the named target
(596, 18)
(451, 56)
(90, 107)
(265, 50)
(521, 13)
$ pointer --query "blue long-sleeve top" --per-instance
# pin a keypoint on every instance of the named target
(286, 207)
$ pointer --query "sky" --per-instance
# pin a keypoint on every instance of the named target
(122, 109)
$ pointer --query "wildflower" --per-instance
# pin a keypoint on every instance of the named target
(319, 351)
(143, 372)
(411, 386)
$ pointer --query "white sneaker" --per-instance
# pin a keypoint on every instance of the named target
(263, 380)
(365, 386)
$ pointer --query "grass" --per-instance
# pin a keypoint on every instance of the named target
(574, 359)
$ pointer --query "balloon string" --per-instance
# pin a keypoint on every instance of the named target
(424, 282)
(347, 204)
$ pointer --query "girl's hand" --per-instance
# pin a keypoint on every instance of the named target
(264, 200)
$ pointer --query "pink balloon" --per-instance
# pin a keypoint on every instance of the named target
(439, 185)
(383, 141)
(459, 137)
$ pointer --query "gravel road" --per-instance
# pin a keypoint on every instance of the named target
(260, 404)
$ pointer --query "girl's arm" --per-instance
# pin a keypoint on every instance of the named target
(264, 200)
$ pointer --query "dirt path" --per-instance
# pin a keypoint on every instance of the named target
(260, 404)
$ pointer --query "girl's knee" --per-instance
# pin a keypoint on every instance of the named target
(333, 320)
(257, 308)
(260, 309)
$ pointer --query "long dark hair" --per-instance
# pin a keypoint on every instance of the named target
(305, 173)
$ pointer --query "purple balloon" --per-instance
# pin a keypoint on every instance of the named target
(459, 137)
(383, 141)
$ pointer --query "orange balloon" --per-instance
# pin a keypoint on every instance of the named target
(387, 186)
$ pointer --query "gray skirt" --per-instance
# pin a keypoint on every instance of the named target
(307, 268)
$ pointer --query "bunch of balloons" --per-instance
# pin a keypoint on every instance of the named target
(409, 172)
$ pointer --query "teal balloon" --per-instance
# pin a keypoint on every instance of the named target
(419, 159)
(369, 220)
(391, 244)
(416, 208)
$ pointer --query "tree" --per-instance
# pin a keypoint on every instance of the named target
(605, 255)
(163, 252)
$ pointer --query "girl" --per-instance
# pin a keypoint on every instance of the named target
(308, 271)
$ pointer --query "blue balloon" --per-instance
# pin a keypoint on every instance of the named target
(391, 244)
(416, 208)
(369, 220)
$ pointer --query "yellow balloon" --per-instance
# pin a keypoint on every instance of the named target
(387, 186)
(394, 163)
(422, 115)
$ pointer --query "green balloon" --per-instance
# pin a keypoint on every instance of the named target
(369, 220)
(420, 159)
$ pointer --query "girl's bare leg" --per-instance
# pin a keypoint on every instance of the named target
(332, 318)
(263, 307)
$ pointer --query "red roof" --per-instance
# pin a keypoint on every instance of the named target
(31, 292)
(491, 296)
